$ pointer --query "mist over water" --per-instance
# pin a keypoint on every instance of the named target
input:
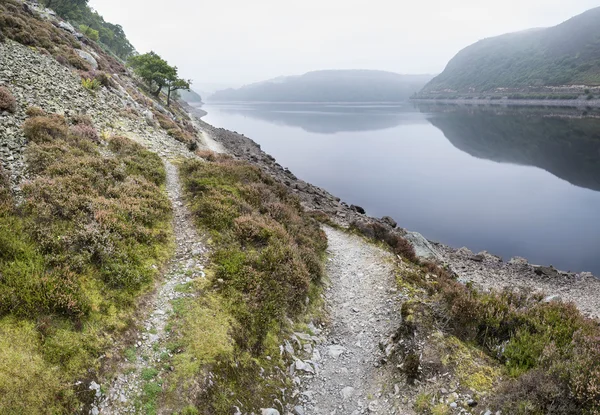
(510, 182)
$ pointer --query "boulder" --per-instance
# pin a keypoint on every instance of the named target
(269, 411)
(87, 57)
(549, 272)
(390, 221)
(422, 246)
(66, 26)
(358, 209)
(149, 118)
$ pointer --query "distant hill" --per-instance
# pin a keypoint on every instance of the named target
(190, 96)
(567, 54)
(329, 86)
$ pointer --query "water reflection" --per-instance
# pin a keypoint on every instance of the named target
(328, 118)
(569, 148)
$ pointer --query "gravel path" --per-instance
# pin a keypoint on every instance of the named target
(123, 393)
(364, 310)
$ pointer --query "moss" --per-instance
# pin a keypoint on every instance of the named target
(422, 403)
(474, 369)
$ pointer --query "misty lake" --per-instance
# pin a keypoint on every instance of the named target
(512, 182)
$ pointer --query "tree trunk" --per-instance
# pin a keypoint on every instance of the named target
(169, 97)
(157, 92)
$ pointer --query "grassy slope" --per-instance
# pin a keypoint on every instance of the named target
(562, 55)
(266, 265)
(88, 240)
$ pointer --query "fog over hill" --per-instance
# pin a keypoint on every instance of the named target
(329, 86)
(566, 54)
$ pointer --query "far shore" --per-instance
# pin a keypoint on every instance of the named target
(573, 103)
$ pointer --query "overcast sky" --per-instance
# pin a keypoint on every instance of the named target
(235, 42)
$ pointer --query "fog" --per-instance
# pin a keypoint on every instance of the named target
(234, 42)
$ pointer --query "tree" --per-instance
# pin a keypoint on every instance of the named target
(154, 70)
(175, 85)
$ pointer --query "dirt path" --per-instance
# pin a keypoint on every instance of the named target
(124, 394)
(364, 311)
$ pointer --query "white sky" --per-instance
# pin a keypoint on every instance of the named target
(234, 42)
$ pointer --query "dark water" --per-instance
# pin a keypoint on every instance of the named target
(507, 181)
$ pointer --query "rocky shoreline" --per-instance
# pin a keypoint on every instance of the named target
(485, 270)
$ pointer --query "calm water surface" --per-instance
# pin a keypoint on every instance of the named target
(510, 182)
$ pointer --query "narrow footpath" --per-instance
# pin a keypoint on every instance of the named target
(124, 394)
(364, 309)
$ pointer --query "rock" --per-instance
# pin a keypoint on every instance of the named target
(517, 260)
(347, 392)
(358, 209)
(269, 411)
(422, 246)
(472, 403)
(453, 405)
(549, 272)
(149, 117)
(373, 406)
(298, 410)
(477, 258)
(551, 298)
(87, 57)
(335, 350)
(304, 366)
(67, 26)
(388, 220)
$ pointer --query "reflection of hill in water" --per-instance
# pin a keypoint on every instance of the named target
(569, 148)
(330, 118)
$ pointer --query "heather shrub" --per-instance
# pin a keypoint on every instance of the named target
(85, 131)
(42, 129)
(7, 100)
(379, 232)
(35, 112)
(86, 241)
(269, 251)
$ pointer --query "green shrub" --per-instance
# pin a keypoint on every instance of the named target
(91, 84)
(89, 32)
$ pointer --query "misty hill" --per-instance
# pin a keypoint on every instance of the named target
(565, 147)
(330, 86)
(190, 96)
(566, 54)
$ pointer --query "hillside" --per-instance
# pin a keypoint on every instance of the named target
(153, 264)
(566, 54)
(190, 96)
(329, 86)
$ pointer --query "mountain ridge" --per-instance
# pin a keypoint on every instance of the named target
(331, 85)
(565, 54)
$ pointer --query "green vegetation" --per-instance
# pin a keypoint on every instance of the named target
(7, 100)
(267, 264)
(566, 54)
(157, 73)
(549, 350)
(22, 27)
(94, 26)
(90, 84)
(74, 256)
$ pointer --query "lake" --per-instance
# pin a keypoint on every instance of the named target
(512, 182)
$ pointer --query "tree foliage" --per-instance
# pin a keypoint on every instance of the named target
(79, 13)
(157, 73)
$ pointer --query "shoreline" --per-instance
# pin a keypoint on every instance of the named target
(571, 103)
(486, 270)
